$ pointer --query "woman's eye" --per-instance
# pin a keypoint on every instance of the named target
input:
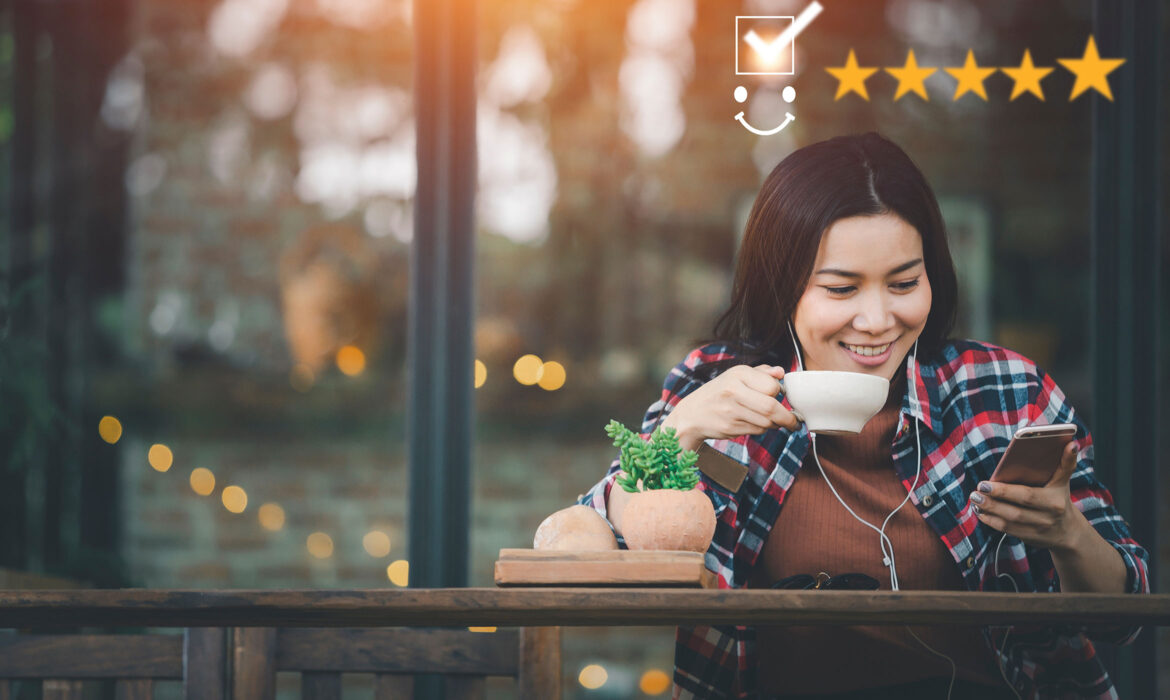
(905, 286)
(839, 290)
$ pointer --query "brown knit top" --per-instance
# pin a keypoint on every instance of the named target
(814, 533)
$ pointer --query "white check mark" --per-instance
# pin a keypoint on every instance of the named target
(769, 50)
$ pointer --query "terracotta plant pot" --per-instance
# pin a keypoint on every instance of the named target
(669, 519)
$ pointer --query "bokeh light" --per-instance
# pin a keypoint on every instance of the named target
(320, 545)
(593, 677)
(235, 499)
(480, 373)
(110, 428)
(271, 517)
(399, 573)
(528, 369)
(160, 457)
(376, 543)
(202, 481)
(482, 630)
(654, 682)
(351, 360)
(552, 376)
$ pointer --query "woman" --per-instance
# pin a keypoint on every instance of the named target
(844, 266)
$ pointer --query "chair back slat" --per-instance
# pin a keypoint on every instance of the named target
(540, 663)
(84, 656)
(465, 688)
(54, 689)
(254, 663)
(138, 689)
(389, 686)
(397, 650)
(205, 659)
(321, 686)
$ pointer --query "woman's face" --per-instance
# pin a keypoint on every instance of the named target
(868, 298)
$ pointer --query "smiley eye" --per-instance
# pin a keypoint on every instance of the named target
(740, 94)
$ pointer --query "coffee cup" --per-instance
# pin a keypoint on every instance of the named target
(834, 402)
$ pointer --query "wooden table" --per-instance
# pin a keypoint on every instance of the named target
(592, 607)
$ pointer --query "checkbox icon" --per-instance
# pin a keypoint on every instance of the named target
(766, 44)
(760, 48)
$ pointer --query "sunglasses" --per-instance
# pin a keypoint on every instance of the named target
(840, 582)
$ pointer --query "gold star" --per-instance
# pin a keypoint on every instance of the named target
(1027, 77)
(1091, 70)
(970, 77)
(911, 77)
(851, 78)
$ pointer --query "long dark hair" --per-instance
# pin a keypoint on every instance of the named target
(804, 195)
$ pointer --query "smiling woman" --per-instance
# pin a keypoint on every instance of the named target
(844, 266)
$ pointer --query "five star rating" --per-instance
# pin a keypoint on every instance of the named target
(1091, 72)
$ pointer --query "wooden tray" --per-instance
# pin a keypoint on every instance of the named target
(531, 567)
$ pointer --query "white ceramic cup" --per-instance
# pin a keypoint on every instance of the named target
(835, 402)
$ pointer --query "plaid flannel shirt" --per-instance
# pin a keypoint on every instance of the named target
(971, 398)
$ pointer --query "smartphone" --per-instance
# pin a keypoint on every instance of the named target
(1034, 453)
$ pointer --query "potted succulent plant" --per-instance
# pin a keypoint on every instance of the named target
(666, 511)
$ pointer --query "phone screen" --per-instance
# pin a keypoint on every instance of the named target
(1033, 455)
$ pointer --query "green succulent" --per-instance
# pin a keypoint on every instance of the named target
(659, 463)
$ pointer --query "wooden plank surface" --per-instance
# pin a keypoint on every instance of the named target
(91, 656)
(532, 567)
(254, 663)
(398, 651)
(540, 663)
(205, 663)
(542, 607)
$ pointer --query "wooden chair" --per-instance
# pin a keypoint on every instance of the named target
(531, 655)
(135, 661)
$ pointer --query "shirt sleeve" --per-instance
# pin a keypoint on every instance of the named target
(1094, 500)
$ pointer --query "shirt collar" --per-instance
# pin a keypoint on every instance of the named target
(923, 381)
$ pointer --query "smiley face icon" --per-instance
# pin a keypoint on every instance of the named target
(788, 94)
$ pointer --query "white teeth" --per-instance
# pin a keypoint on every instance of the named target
(867, 351)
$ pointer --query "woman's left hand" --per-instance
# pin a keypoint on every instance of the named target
(1042, 516)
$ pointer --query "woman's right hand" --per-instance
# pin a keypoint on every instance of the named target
(741, 401)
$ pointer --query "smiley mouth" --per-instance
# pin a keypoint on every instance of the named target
(788, 119)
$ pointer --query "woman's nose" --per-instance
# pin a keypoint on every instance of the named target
(874, 316)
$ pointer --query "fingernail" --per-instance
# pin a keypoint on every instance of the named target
(976, 509)
(985, 487)
(976, 498)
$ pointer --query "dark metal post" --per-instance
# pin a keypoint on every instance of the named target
(1126, 257)
(440, 359)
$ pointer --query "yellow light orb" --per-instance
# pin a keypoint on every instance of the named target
(528, 369)
(202, 481)
(271, 517)
(593, 676)
(320, 545)
(480, 373)
(552, 376)
(377, 543)
(301, 377)
(483, 630)
(110, 428)
(399, 573)
(160, 457)
(351, 360)
(654, 682)
(235, 499)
